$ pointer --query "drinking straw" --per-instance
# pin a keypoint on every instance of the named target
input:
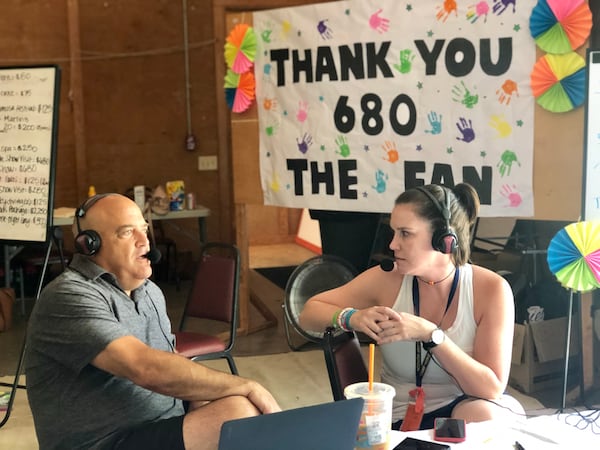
(371, 365)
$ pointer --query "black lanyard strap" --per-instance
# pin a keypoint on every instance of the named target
(421, 365)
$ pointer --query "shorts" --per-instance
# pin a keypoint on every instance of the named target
(160, 435)
(428, 418)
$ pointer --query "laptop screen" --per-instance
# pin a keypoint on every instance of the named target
(325, 426)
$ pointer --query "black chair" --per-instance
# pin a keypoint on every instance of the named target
(213, 296)
(167, 268)
(344, 360)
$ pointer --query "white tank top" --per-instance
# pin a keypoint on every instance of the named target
(398, 367)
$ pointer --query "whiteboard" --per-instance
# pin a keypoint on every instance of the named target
(591, 159)
(29, 99)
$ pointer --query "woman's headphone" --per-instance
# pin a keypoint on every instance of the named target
(444, 239)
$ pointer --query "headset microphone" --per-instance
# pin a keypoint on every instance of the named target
(153, 255)
(387, 265)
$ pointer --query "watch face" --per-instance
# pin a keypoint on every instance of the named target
(437, 337)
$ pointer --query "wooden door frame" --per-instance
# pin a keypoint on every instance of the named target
(230, 212)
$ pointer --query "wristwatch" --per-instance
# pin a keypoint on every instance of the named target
(437, 337)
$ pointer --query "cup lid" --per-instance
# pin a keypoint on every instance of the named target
(362, 390)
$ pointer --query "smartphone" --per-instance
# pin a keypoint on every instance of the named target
(417, 444)
(449, 430)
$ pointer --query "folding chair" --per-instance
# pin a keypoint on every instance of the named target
(214, 296)
(344, 360)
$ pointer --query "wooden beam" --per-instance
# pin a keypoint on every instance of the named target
(76, 98)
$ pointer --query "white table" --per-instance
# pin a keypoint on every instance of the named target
(553, 432)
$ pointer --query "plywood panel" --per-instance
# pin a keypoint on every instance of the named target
(246, 170)
(558, 164)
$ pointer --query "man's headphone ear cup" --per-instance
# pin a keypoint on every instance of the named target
(88, 242)
(444, 240)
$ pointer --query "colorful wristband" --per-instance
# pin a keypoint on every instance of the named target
(347, 319)
(334, 319)
(341, 318)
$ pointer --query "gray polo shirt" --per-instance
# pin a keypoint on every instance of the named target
(74, 404)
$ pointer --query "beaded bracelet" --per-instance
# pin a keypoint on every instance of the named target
(341, 318)
(347, 319)
(344, 318)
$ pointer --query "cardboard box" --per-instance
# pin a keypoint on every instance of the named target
(538, 354)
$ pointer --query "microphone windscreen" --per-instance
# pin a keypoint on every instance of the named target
(387, 265)
(153, 255)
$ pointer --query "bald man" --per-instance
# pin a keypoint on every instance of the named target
(102, 372)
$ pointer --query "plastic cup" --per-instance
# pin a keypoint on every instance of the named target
(376, 419)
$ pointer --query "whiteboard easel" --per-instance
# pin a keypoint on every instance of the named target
(29, 99)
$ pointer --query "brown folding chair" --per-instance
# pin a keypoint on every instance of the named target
(213, 296)
(344, 360)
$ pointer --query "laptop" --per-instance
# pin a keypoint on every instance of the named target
(325, 426)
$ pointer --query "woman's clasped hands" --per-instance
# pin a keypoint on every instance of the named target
(384, 325)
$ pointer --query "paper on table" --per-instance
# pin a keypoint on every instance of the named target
(63, 211)
(546, 433)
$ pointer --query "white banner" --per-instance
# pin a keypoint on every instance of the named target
(361, 100)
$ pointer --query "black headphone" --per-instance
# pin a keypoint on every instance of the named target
(444, 239)
(88, 242)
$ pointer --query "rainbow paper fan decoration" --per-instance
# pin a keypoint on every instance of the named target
(240, 48)
(574, 256)
(558, 82)
(239, 90)
(560, 26)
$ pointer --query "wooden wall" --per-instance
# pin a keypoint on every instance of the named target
(123, 117)
(123, 114)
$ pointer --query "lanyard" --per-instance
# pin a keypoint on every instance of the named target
(421, 365)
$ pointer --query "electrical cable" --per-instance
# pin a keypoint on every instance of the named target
(90, 55)
(190, 141)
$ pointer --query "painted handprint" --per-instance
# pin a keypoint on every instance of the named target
(435, 123)
(343, 147)
(304, 143)
(507, 159)
(405, 62)
(266, 36)
(513, 197)
(380, 181)
(390, 151)
(448, 7)
(302, 113)
(271, 130)
(269, 103)
(500, 124)
(463, 95)
(324, 30)
(502, 5)
(505, 93)
(466, 129)
(480, 9)
(378, 23)
(267, 71)
(286, 29)
(274, 184)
